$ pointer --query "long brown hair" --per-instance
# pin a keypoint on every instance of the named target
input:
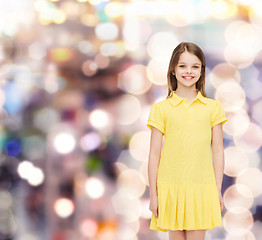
(193, 49)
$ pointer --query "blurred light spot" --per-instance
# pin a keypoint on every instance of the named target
(15, 97)
(162, 44)
(8, 225)
(34, 147)
(240, 234)
(252, 178)
(178, 18)
(234, 198)
(24, 168)
(109, 49)
(94, 188)
(2, 98)
(134, 80)
(29, 172)
(120, 167)
(231, 95)
(250, 140)
(114, 9)
(239, 58)
(235, 161)
(87, 48)
(64, 143)
(132, 32)
(64, 207)
(99, 119)
(222, 9)
(49, 81)
(222, 73)
(95, 2)
(60, 17)
(102, 61)
(89, 68)
(157, 71)
(140, 151)
(131, 181)
(106, 31)
(13, 148)
(71, 9)
(238, 122)
(135, 226)
(237, 218)
(90, 141)
(45, 118)
(37, 51)
(89, 20)
(36, 177)
(88, 227)
(128, 109)
(255, 13)
(242, 37)
(127, 205)
(61, 54)
(5, 200)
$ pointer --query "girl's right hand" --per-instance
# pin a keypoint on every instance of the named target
(153, 207)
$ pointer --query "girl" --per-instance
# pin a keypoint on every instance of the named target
(185, 186)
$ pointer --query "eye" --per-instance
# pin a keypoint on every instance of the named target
(196, 67)
(181, 66)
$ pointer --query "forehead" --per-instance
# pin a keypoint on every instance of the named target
(189, 58)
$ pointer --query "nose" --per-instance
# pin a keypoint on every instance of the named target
(188, 70)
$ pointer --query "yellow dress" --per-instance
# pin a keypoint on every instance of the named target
(186, 186)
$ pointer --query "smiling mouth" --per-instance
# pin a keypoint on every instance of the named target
(188, 77)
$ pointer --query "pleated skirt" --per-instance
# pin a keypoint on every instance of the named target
(187, 206)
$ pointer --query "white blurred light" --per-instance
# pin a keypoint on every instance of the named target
(29, 172)
(94, 187)
(24, 168)
(128, 109)
(37, 51)
(64, 207)
(64, 143)
(107, 31)
(99, 119)
(134, 80)
(108, 49)
(162, 44)
(36, 177)
(90, 141)
(140, 151)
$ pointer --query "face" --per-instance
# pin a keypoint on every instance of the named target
(188, 69)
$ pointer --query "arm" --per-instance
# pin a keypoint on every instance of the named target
(218, 154)
(153, 162)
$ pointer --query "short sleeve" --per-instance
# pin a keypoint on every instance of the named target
(218, 114)
(156, 118)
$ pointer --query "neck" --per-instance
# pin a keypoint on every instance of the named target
(187, 92)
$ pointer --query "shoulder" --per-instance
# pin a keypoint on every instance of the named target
(212, 102)
(162, 104)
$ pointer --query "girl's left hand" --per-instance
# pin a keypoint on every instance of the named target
(220, 200)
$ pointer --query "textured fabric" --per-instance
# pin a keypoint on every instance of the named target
(186, 185)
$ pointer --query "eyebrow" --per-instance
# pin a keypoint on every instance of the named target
(193, 64)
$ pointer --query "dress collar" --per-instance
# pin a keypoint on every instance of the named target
(174, 99)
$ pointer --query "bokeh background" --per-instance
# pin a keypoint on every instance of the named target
(78, 79)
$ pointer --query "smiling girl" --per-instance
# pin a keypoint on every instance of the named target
(184, 182)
